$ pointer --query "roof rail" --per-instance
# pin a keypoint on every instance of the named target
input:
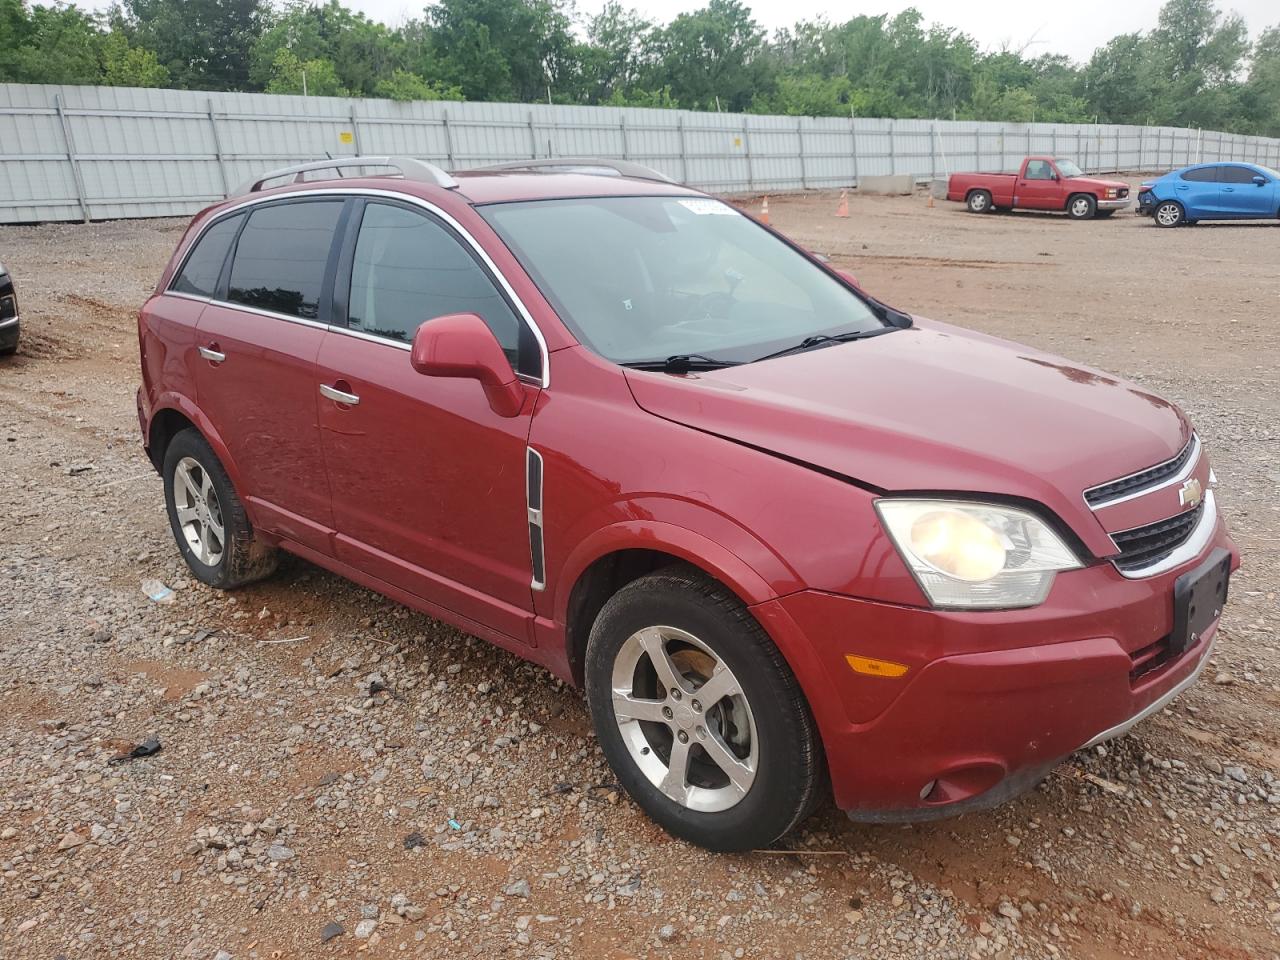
(408, 167)
(590, 165)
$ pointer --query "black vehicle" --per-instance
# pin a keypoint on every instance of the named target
(8, 314)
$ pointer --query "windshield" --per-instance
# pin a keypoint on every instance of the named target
(645, 278)
(1068, 168)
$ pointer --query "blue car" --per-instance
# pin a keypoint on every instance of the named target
(1212, 191)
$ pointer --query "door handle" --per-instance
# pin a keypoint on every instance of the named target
(1183, 186)
(212, 353)
(338, 396)
(1228, 189)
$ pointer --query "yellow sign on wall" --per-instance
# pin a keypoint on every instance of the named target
(346, 136)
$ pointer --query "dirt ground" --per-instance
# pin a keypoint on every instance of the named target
(332, 760)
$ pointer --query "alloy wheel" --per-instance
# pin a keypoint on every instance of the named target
(1168, 214)
(199, 512)
(684, 719)
(1079, 206)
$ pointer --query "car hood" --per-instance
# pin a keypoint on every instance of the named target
(1096, 182)
(935, 408)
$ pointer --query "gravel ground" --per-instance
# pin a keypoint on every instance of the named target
(338, 775)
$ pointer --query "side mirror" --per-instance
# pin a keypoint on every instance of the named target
(1053, 176)
(462, 345)
(848, 276)
(1259, 179)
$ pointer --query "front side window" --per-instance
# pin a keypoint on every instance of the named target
(1233, 174)
(409, 268)
(199, 275)
(1069, 168)
(1039, 170)
(645, 278)
(281, 256)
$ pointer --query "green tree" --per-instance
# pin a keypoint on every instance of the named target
(57, 44)
(403, 85)
(316, 77)
(711, 58)
(204, 44)
(125, 65)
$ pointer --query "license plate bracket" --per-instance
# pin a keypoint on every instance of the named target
(1198, 599)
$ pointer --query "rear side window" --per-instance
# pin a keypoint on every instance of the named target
(1236, 174)
(409, 268)
(281, 256)
(1201, 174)
(199, 275)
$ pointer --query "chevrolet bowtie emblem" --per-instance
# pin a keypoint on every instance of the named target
(1191, 493)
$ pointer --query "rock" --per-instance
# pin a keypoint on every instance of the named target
(667, 932)
(1219, 895)
(331, 929)
(364, 929)
(279, 853)
(70, 841)
(1010, 912)
(1224, 679)
(1236, 773)
(518, 889)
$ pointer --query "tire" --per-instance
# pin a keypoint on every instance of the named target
(1082, 206)
(978, 201)
(213, 534)
(1168, 213)
(760, 726)
(1103, 214)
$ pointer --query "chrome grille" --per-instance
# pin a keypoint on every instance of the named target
(1105, 493)
(1147, 545)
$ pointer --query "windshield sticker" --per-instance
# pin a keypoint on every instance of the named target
(708, 208)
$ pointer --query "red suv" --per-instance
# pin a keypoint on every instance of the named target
(790, 539)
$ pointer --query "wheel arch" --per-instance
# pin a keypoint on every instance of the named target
(623, 552)
(174, 413)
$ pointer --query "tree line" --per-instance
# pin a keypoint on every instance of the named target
(1195, 67)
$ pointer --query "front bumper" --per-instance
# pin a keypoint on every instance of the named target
(1118, 204)
(991, 701)
(9, 333)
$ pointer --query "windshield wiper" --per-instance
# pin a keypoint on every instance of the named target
(682, 363)
(821, 339)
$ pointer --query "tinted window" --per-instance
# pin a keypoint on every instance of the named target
(199, 275)
(280, 259)
(409, 268)
(1039, 170)
(1201, 174)
(1236, 175)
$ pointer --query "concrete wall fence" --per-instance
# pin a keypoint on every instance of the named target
(80, 153)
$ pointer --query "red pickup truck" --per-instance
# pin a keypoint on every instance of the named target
(1043, 183)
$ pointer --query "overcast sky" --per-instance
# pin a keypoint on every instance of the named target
(1074, 27)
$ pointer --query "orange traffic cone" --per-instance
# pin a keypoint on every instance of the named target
(764, 210)
(842, 208)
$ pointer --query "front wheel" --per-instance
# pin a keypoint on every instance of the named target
(207, 518)
(699, 715)
(1169, 214)
(1082, 207)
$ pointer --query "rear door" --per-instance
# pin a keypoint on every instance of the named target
(256, 376)
(1038, 187)
(1197, 190)
(1240, 197)
(429, 488)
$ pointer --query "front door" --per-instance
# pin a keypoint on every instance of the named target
(1240, 196)
(428, 482)
(1038, 187)
(256, 373)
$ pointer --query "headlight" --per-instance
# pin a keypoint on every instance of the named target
(976, 554)
(1112, 193)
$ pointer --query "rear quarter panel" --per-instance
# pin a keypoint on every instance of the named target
(999, 185)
